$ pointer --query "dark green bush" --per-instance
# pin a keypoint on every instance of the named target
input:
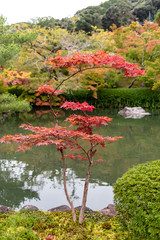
(137, 199)
(23, 93)
(118, 98)
(106, 98)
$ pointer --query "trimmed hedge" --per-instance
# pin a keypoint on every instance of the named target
(137, 199)
(107, 98)
(117, 98)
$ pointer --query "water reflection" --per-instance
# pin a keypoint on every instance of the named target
(20, 186)
(13, 187)
(35, 177)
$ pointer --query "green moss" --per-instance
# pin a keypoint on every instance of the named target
(59, 225)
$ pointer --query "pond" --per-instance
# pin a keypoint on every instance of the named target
(35, 177)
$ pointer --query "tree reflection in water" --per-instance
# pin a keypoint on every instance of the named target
(35, 177)
(13, 190)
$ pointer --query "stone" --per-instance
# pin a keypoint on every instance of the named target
(62, 208)
(109, 211)
(133, 112)
(29, 208)
(5, 209)
(86, 209)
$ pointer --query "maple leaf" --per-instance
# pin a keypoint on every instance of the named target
(99, 59)
(69, 156)
(82, 157)
(77, 106)
(99, 160)
(39, 102)
(86, 123)
(47, 89)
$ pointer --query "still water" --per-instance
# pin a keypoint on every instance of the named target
(35, 177)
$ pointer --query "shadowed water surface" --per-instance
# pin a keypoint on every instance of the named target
(36, 177)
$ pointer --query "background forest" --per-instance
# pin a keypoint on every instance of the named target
(116, 12)
(127, 28)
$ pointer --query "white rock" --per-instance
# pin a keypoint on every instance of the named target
(133, 112)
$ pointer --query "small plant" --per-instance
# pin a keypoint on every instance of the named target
(137, 199)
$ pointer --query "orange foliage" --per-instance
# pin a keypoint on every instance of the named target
(99, 59)
(11, 77)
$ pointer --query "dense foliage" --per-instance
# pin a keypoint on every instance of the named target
(157, 17)
(89, 17)
(11, 43)
(9, 104)
(137, 200)
(137, 43)
(117, 98)
(119, 13)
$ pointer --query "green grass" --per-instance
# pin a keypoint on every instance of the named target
(59, 225)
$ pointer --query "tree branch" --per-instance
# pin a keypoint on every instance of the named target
(65, 187)
(72, 75)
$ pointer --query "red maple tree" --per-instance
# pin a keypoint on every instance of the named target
(71, 139)
(68, 139)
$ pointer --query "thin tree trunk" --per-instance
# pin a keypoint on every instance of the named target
(65, 188)
(131, 84)
(54, 114)
(85, 192)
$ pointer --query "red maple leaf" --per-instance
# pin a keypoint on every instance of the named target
(77, 106)
(47, 89)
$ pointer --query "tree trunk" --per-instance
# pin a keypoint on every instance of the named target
(131, 84)
(85, 192)
(65, 188)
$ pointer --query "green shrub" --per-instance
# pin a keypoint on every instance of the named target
(117, 98)
(10, 103)
(106, 97)
(137, 199)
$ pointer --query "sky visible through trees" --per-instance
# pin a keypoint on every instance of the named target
(20, 11)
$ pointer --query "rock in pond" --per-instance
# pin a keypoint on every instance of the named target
(133, 112)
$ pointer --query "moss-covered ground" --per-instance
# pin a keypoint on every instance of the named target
(56, 226)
